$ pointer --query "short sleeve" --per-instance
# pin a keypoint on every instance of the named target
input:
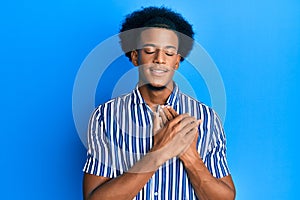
(98, 156)
(215, 159)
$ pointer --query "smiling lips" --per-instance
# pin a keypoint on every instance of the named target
(158, 71)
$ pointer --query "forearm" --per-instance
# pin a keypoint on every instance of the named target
(124, 187)
(128, 185)
(205, 185)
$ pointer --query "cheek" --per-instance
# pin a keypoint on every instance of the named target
(144, 58)
(173, 64)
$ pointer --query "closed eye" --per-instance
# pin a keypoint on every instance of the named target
(149, 50)
(169, 53)
(152, 50)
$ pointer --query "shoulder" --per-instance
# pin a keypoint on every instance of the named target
(201, 108)
(112, 104)
(187, 99)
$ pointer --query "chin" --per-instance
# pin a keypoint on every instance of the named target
(156, 86)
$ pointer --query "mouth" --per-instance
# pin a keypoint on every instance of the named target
(158, 71)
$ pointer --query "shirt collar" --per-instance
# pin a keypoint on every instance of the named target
(171, 101)
(137, 97)
(173, 98)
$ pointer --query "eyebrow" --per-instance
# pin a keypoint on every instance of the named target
(153, 45)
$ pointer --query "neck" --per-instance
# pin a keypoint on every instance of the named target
(155, 96)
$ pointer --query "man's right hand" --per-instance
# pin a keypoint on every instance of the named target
(174, 135)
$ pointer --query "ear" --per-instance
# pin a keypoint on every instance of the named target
(134, 57)
(177, 61)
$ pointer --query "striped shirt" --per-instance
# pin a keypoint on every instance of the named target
(120, 134)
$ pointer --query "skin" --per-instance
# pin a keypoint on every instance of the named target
(157, 60)
(174, 134)
(205, 185)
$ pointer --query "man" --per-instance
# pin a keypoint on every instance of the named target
(156, 142)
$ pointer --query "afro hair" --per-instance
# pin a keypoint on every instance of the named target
(159, 17)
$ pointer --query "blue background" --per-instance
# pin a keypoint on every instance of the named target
(255, 45)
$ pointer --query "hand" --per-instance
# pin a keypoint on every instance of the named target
(162, 116)
(191, 152)
(173, 133)
(167, 113)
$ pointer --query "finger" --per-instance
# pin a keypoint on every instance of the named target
(199, 121)
(172, 111)
(188, 121)
(186, 125)
(189, 127)
(167, 113)
(161, 123)
(183, 142)
(178, 119)
(163, 116)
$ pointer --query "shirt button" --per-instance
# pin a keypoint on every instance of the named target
(155, 193)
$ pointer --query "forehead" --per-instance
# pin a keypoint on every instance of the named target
(160, 37)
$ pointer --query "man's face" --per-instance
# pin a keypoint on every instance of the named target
(157, 57)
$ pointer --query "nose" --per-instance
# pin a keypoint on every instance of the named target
(160, 57)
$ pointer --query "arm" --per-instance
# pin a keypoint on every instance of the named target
(205, 185)
(125, 186)
(179, 131)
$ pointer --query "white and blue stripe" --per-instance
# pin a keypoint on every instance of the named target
(120, 133)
